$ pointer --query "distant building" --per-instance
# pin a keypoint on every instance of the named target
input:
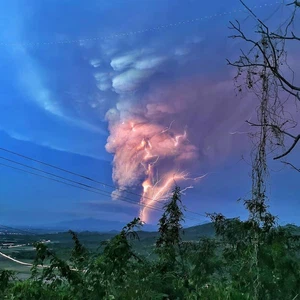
(6, 245)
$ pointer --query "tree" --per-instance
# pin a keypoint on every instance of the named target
(170, 228)
(5, 277)
(267, 55)
(261, 71)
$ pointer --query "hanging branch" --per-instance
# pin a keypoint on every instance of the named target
(296, 3)
(280, 130)
(269, 54)
(297, 138)
(291, 165)
(270, 62)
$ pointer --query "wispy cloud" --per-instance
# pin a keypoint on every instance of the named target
(68, 94)
(56, 146)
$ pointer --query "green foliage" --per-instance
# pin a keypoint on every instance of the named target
(170, 228)
(79, 254)
(220, 267)
(5, 278)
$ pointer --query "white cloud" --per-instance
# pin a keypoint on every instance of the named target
(104, 86)
(125, 61)
(84, 125)
(53, 145)
(149, 62)
(130, 80)
(112, 115)
(31, 78)
(16, 135)
(109, 47)
(95, 62)
(46, 101)
(103, 81)
(94, 103)
(185, 49)
(44, 98)
(101, 76)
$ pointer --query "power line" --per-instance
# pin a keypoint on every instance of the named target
(115, 36)
(75, 174)
(85, 186)
(130, 33)
(28, 172)
(49, 173)
(100, 192)
(67, 171)
(76, 186)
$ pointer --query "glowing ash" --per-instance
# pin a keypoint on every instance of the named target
(142, 149)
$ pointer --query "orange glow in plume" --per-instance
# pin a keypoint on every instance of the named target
(140, 150)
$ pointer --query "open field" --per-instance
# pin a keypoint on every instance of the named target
(21, 246)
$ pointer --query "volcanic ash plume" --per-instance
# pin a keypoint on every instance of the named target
(147, 153)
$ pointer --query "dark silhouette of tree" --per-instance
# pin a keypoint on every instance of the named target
(170, 228)
(268, 52)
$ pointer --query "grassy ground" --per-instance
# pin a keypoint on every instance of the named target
(23, 272)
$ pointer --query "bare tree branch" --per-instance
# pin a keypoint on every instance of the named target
(278, 36)
(296, 3)
(276, 127)
(265, 62)
(272, 62)
(290, 149)
(287, 163)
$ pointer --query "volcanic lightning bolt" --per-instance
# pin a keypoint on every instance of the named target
(142, 150)
(165, 129)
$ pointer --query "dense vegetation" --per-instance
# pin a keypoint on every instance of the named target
(252, 259)
(220, 267)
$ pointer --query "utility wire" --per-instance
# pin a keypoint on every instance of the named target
(49, 173)
(85, 186)
(76, 186)
(76, 174)
(71, 173)
(28, 172)
(100, 192)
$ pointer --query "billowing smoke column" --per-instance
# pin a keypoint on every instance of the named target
(147, 153)
(174, 128)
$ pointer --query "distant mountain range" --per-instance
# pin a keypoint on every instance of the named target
(111, 227)
(88, 224)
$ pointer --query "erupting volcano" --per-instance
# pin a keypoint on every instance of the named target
(149, 155)
(169, 133)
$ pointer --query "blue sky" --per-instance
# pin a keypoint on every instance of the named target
(57, 98)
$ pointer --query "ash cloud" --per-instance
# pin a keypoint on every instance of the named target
(170, 79)
(169, 107)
